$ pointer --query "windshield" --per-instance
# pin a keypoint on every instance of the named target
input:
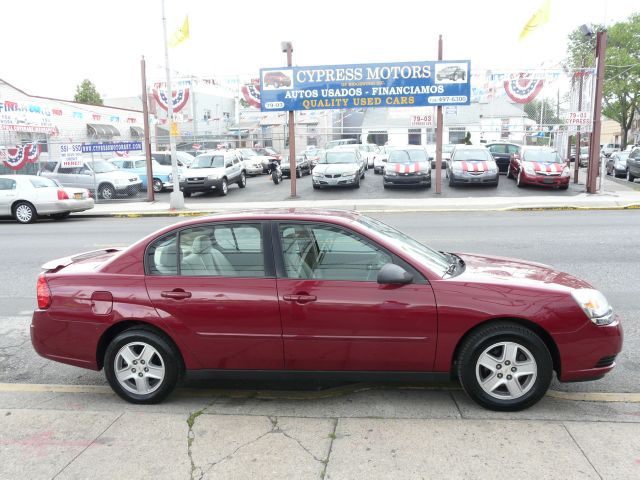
(209, 161)
(333, 157)
(434, 261)
(481, 154)
(407, 156)
(542, 156)
(247, 152)
(100, 166)
(447, 148)
(622, 156)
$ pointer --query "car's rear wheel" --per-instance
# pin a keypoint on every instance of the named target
(298, 173)
(141, 366)
(186, 194)
(519, 180)
(107, 191)
(452, 182)
(504, 367)
(243, 180)
(630, 177)
(24, 212)
(157, 185)
(60, 216)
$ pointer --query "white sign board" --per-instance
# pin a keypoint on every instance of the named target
(426, 120)
(578, 118)
(70, 155)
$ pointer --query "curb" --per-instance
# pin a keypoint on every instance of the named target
(198, 213)
(603, 397)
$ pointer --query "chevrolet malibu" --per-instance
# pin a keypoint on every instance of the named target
(319, 294)
(539, 166)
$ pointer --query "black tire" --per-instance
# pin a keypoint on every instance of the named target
(186, 194)
(224, 187)
(519, 183)
(242, 183)
(427, 185)
(630, 177)
(60, 216)
(276, 179)
(363, 174)
(24, 212)
(385, 185)
(298, 173)
(509, 173)
(452, 182)
(357, 183)
(563, 187)
(157, 185)
(107, 191)
(316, 187)
(167, 354)
(484, 338)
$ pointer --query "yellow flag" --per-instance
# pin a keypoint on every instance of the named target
(537, 20)
(181, 34)
(173, 129)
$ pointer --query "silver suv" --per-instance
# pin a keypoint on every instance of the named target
(213, 172)
(99, 176)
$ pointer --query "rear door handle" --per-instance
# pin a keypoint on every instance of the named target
(176, 294)
(300, 298)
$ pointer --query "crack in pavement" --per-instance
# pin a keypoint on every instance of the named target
(191, 436)
(332, 435)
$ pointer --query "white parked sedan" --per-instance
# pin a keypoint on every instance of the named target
(27, 197)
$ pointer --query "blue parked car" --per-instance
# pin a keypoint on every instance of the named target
(162, 178)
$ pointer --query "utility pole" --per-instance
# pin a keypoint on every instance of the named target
(288, 48)
(176, 198)
(439, 133)
(147, 142)
(576, 166)
(594, 146)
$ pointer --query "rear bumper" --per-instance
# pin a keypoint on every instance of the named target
(61, 206)
(63, 341)
(589, 353)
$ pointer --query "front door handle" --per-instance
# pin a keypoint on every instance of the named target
(177, 294)
(300, 298)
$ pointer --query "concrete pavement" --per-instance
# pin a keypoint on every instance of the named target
(391, 432)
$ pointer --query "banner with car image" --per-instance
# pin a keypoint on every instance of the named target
(413, 84)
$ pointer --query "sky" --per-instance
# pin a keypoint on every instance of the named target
(49, 47)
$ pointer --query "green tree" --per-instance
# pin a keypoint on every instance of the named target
(86, 93)
(621, 91)
(533, 110)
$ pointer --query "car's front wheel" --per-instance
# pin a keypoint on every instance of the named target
(504, 367)
(224, 187)
(107, 191)
(242, 183)
(141, 366)
(157, 185)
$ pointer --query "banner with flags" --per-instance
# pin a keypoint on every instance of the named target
(17, 158)
(180, 97)
(251, 93)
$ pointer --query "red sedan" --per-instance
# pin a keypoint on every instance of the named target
(325, 294)
(539, 166)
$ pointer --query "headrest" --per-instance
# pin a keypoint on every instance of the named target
(201, 244)
(167, 256)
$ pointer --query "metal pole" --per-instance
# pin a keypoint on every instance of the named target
(594, 147)
(576, 166)
(439, 133)
(176, 199)
(147, 143)
(292, 134)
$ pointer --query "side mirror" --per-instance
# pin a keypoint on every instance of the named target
(229, 165)
(394, 274)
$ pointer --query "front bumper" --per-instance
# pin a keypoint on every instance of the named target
(254, 169)
(590, 352)
(200, 185)
(335, 182)
(407, 179)
(477, 178)
(545, 180)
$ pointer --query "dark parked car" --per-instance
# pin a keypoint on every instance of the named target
(303, 166)
(472, 165)
(539, 166)
(319, 294)
(501, 152)
(453, 73)
(633, 164)
(407, 166)
(617, 164)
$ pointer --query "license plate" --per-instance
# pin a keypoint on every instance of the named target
(547, 180)
(77, 196)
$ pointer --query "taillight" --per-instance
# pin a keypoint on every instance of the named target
(62, 195)
(43, 293)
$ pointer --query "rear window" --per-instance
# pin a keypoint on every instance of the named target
(42, 182)
(7, 184)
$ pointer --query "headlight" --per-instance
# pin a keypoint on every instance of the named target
(170, 178)
(493, 169)
(528, 169)
(318, 174)
(350, 174)
(566, 172)
(213, 177)
(456, 168)
(594, 305)
(121, 181)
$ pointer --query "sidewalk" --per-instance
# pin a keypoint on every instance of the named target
(615, 196)
(356, 433)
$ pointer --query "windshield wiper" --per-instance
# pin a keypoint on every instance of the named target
(456, 262)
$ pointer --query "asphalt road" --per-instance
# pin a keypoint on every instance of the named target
(600, 246)
(261, 188)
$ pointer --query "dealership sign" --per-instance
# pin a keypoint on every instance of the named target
(414, 84)
(111, 147)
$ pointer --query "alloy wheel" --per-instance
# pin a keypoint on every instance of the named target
(506, 370)
(24, 213)
(139, 368)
